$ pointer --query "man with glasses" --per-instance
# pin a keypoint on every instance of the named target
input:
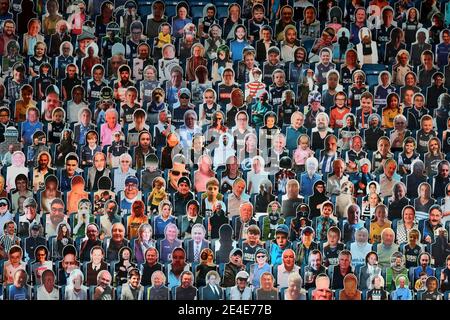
(30, 216)
(110, 217)
(130, 194)
(178, 170)
(241, 130)
(55, 217)
(181, 107)
(260, 267)
(134, 39)
(5, 122)
(97, 171)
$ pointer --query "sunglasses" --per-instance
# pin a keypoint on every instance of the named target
(177, 173)
(260, 256)
(3, 204)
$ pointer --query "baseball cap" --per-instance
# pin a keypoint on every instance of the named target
(242, 275)
(35, 226)
(236, 251)
(261, 250)
(29, 202)
(185, 91)
(85, 35)
(307, 230)
(438, 74)
(131, 179)
(282, 228)
(273, 50)
(130, 4)
(4, 201)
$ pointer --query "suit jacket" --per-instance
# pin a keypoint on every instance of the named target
(185, 224)
(91, 275)
(55, 43)
(190, 249)
(91, 177)
(128, 295)
(261, 52)
(209, 294)
(237, 227)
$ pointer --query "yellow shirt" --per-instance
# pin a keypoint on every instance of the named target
(163, 39)
(158, 196)
(375, 231)
(388, 117)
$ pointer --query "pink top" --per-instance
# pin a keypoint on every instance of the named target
(106, 134)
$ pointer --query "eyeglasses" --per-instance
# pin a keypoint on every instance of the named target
(177, 173)
(58, 209)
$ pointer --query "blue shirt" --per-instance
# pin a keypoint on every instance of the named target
(28, 129)
(3, 219)
(292, 137)
(179, 24)
(429, 270)
(307, 183)
(65, 181)
(119, 178)
(83, 131)
(401, 294)
(18, 293)
(236, 48)
(160, 225)
(257, 272)
(31, 44)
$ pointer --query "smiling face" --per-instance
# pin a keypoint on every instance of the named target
(118, 232)
(97, 256)
(151, 256)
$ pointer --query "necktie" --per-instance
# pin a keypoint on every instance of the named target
(196, 252)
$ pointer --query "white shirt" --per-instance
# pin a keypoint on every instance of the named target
(42, 294)
(283, 275)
